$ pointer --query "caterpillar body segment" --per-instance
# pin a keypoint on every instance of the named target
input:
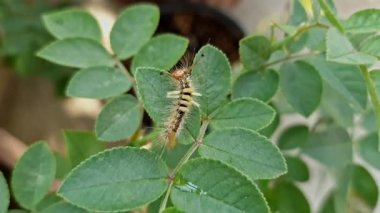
(184, 100)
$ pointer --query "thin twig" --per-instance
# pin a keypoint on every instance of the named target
(128, 75)
(184, 159)
(288, 58)
(374, 97)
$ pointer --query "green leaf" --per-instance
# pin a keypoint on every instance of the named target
(63, 207)
(98, 83)
(363, 186)
(161, 52)
(81, 145)
(172, 210)
(358, 39)
(63, 166)
(118, 179)
(119, 119)
(335, 106)
(4, 194)
(33, 175)
(363, 21)
(316, 39)
(77, 52)
(269, 130)
(133, 28)
(345, 79)
(328, 205)
(48, 201)
(191, 127)
(17, 211)
(368, 150)
(152, 86)
(368, 121)
(245, 112)
(297, 169)
(329, 13)
(340, 49)
(371, 46)
(211, 76)
(298, 42)
(254, 51)
(331, 147)
(301, 85)
(293, 137)
(297, 14)
(289, 199)
(210, 186)
(260, 85)
(252, 154)
(72, 23)
(356, 191)
(316, 9)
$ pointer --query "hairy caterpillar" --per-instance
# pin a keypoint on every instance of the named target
(184, 100)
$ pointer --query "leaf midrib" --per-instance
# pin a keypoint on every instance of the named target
(113, 183)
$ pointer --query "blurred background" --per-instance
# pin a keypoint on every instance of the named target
(32, 104)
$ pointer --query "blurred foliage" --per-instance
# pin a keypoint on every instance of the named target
(22, 33)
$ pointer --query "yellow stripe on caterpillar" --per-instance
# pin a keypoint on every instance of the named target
(188, 90)
(186, 103)
(186, 97)
(183, 109)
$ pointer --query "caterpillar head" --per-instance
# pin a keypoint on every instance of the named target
(180, 73)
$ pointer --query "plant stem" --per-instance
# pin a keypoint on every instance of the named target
(128, 75)
(183, 160)
(288, 58)
(374, 97)
(300, 31)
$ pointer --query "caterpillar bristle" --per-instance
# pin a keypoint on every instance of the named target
(184, 95)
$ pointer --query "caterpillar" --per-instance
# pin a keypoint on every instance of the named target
(184, 100)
